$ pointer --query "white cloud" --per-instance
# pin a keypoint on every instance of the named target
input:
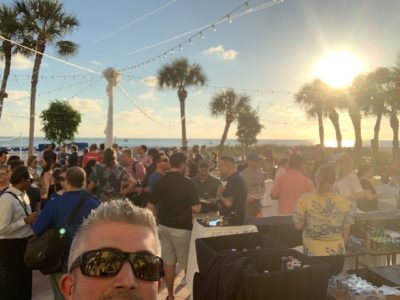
(150, 81)
(229, 54)
(135, 117)
(87, 105)
(96, 62)
(149, 95)
(171, 109)
(17, 95)
(221, 52)
(20, 62)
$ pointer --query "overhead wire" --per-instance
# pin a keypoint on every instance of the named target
(135, 21)
(137, 106)
(50, 56)
(199, 33)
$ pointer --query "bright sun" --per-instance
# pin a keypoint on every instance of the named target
(338, 69)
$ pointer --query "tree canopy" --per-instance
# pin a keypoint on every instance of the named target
(248, 128)
(60, 122)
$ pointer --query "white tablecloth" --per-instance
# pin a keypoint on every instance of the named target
(200, 231)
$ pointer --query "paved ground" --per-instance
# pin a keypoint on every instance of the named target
(42, 288)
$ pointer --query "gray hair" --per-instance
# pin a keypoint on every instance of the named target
(121, 211)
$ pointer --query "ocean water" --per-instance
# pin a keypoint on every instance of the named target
(14, 142)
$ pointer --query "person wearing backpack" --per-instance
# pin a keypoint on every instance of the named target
(58, 210)
(15, 229)
(137, 170)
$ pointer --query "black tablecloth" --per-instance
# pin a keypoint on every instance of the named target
(236, 274)
(208, 249)
(279, 228)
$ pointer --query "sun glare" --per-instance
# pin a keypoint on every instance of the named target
(338, 69)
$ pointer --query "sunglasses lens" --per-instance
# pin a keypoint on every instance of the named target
(108, 262)
(147, 267)
(101, 263)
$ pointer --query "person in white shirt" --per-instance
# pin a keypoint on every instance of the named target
(347, 183)
(386, 190)
(15, 229)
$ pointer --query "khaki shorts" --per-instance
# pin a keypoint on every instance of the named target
(174, 245)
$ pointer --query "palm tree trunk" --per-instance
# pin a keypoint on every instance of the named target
(394, 123)
(356, 120)
(334, 117)
(35, 78)
(321, 129)
(223, 138)
(7, 46)
(182, 94)
(377, 127)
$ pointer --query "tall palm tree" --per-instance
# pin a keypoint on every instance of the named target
(375, 99)
(181, 75)
(394, 107)
(230, 105)
(312, 98)
(8, 29)
(333, 116)
(351, 99)
(47, 22)
(318, 102)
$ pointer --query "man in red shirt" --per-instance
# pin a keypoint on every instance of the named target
(92, 154)
(290, 186)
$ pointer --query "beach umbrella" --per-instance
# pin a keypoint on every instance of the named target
(113, 78)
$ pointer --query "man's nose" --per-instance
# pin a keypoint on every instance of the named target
(125, 278)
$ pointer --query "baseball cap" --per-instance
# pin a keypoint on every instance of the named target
(203, 162)
(253, 156)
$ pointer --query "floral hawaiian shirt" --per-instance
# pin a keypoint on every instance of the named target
(323, 217)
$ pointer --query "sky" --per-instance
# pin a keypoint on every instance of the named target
(268, 54)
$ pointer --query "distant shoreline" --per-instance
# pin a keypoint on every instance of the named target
(172, 142)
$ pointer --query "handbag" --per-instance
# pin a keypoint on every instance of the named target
(49, 251)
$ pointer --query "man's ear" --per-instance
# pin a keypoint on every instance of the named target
(66, 285)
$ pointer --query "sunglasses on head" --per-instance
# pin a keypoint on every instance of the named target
(108, 262)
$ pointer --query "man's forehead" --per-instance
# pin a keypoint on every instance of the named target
(124, 236)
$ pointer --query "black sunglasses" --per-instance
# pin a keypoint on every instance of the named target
(108, 262)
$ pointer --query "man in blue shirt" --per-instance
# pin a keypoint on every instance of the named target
(57, 211)
(162, 166)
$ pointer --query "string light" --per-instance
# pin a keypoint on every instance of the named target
(199, 32)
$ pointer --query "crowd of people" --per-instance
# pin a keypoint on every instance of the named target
(116, 185)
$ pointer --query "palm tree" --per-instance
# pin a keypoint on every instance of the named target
(47, 22)
(230, 105)
(312, 98)
(8, 29)
(318, 102)
(375, 99)
(181, 75)
(351, 99)
(333, 116)
(393, 108)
